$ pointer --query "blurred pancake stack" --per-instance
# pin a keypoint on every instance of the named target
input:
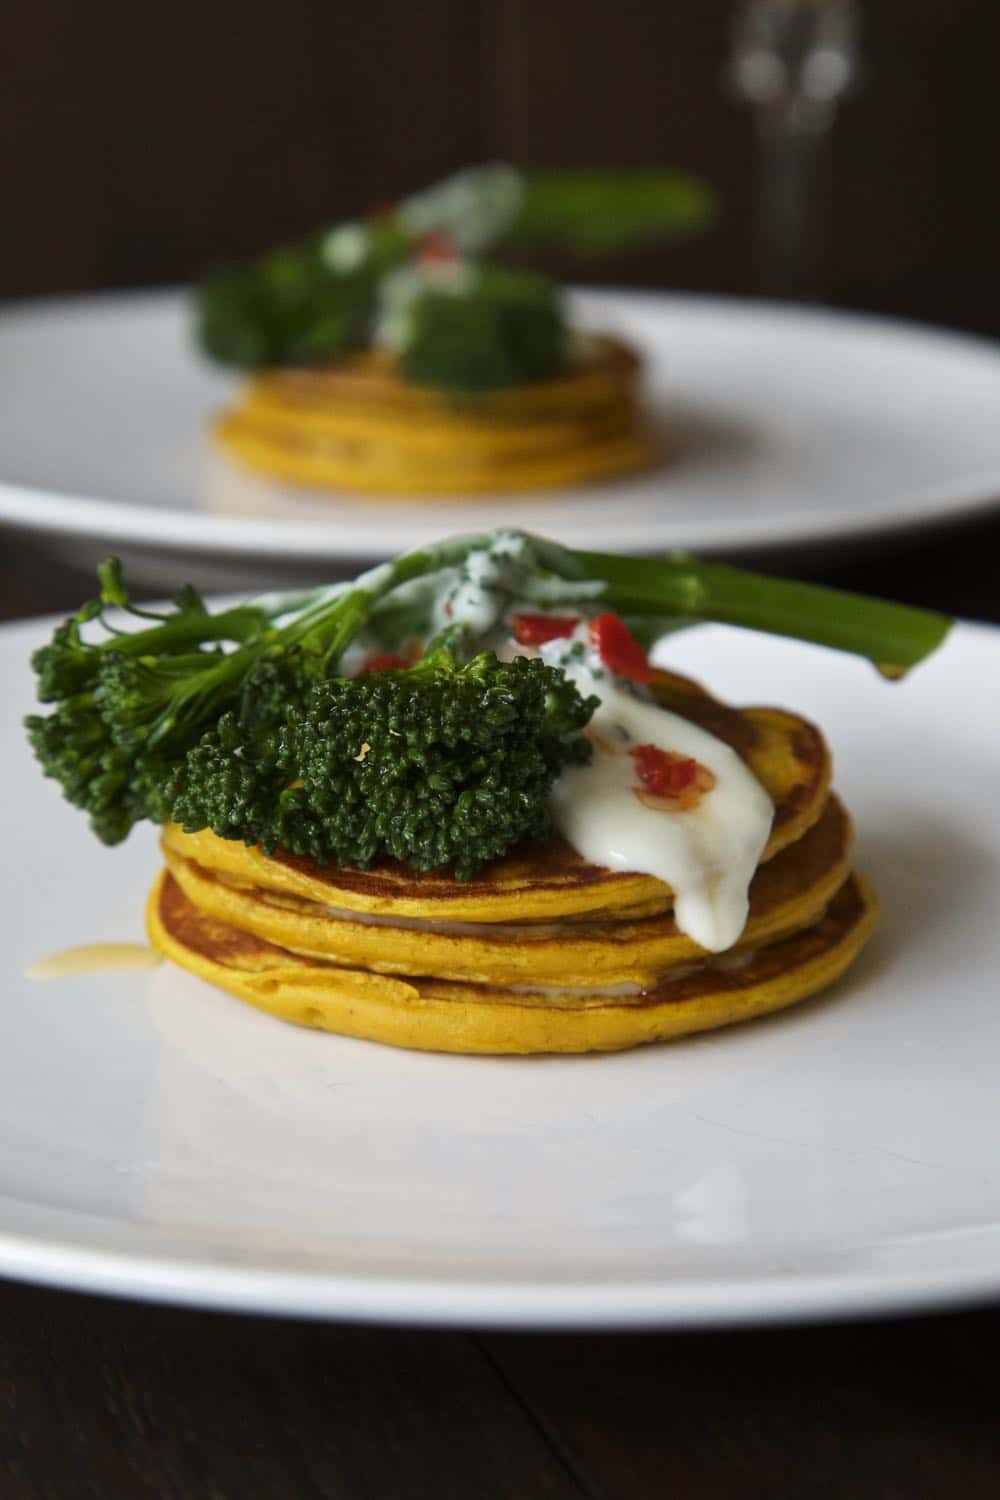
(360, 426)
(540, 951)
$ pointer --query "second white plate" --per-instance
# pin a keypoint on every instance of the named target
(787, 426)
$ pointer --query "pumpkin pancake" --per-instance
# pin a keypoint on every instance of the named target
(368, 380)
(541, 882)
(787, 894)
(360, 426)
(438, 1015)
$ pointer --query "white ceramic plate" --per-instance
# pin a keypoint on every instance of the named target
(788, 426)
(160, 1139)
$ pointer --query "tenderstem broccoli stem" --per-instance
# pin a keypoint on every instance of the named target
(330, 621)
(893, 636)
(178, 631)
(325, 621)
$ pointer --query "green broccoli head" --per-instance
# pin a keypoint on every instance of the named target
(438, 765)
(234, 777)
(65, 665)
(116, 787)
(506, 329)
(290, 308)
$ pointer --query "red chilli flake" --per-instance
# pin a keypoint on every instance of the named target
(661, 772)
(382, 661)
(618, 648)
(437, 247)
(535, 630)
(668, 782)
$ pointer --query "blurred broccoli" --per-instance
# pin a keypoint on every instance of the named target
(505, 329)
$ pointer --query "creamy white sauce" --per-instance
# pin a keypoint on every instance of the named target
(474, 601)
(373, 579)
(708, 854)
(482, 586)
(507, 543)
(472, 207)
(353, 657)
(346, 247)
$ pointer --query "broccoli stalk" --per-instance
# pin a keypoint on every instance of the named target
(894, 637)
(242, 721)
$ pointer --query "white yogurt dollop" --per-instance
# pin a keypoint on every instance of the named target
(708, 854)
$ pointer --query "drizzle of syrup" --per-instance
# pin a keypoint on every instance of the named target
(93, 958)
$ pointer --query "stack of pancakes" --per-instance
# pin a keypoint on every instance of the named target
(541, 951)
(360, 426)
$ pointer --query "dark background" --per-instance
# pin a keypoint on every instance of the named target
(140, 144)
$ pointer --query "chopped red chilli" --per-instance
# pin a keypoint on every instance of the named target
(618, 648)
(678, 780)
(662, 772)
(535, 630)
(437, 247)
(383, 661)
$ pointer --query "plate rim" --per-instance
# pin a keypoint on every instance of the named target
(48, 511)
(529, 1305)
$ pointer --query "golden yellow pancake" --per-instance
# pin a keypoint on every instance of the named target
(538, 883)
(438, 1015)
(360, 426)
(368, 379)
(787, 894)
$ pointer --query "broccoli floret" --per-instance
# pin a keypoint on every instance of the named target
(437, 765)
(129, 704)
(505, 329)
(234, 777)
(295, 305)
(115, 786)
(288, 309)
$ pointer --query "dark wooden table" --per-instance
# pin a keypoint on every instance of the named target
(113, 1399)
